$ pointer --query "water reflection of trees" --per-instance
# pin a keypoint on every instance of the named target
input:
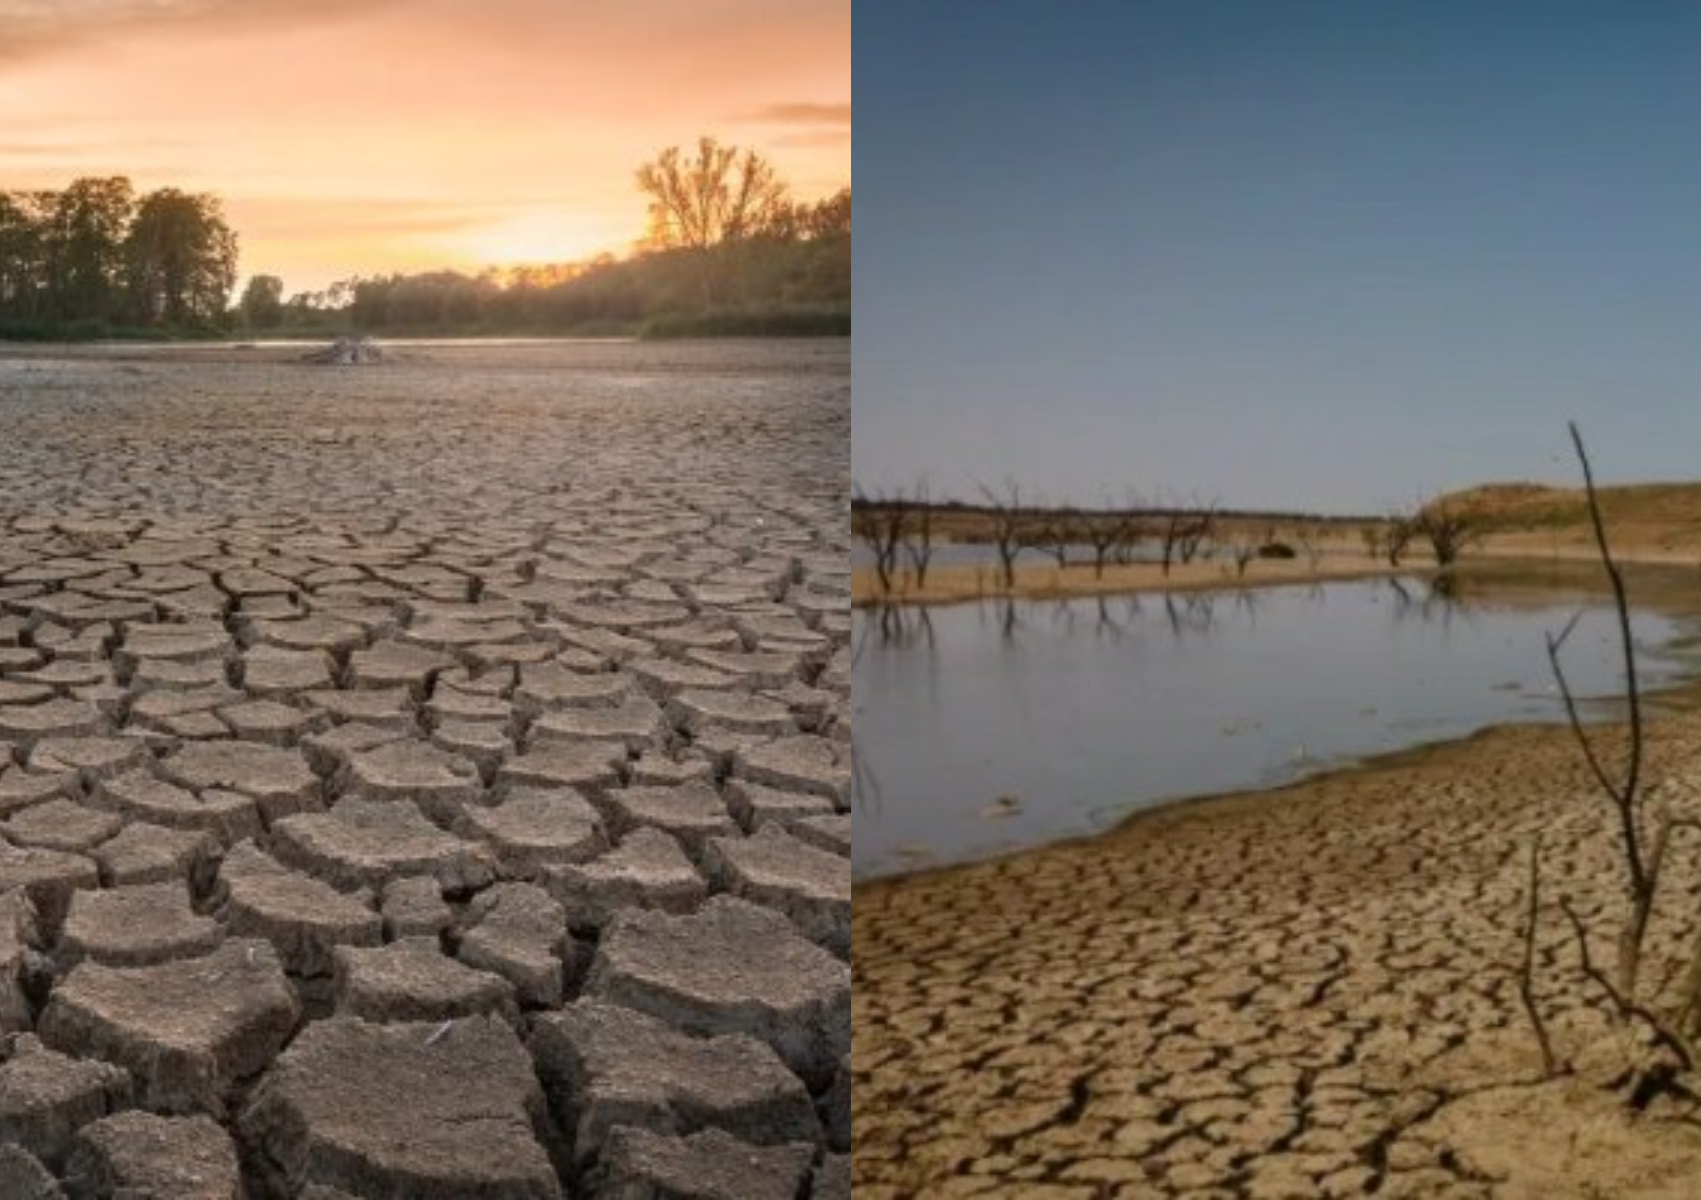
(1004, 612)
(1185, 614)
(1440, 599)
(1190, 613)
(899, 627)
(1246, 603)
(1108, 627)
(865, 794)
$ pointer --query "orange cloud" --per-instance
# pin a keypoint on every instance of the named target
(802, 114)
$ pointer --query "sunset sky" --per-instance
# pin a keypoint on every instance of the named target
(360, 136)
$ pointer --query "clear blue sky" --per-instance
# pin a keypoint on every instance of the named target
(1304, 255)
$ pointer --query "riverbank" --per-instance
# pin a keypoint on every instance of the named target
(1305, 992)
(1530, 554)
(958, 584)
(1651, 525)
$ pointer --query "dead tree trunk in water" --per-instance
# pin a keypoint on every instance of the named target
(1006, 528)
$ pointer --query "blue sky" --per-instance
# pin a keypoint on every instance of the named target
(1304, 255)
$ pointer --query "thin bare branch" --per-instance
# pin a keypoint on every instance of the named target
(1526, 982)
(1627, 1006)
(1633, 771)
(1565, 693)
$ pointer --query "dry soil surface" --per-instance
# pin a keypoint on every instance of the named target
(425, 780)
(1311, 992)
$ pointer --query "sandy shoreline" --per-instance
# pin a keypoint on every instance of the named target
(958, 584)
(1035, 581)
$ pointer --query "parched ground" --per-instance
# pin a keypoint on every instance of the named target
(1307, 993)
(428, 779)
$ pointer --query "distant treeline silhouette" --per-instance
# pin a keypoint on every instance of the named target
(727, 253)
(1067, 512)
(766, 283)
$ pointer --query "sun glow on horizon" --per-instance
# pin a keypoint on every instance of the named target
(544, 237)
(367, 137)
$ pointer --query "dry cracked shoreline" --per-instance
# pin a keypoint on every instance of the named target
(1310, 992)
(430, 780)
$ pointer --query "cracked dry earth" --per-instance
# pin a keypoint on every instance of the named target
(1310, 993)
(429, 780)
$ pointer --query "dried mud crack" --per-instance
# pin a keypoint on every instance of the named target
(1300, 994)
(427, 782)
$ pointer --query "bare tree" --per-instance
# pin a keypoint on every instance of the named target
(1643, 855)
(1007, 528)
(1105, 533)
(1448, 529)
(1242, 552)
(698, 203)
(918, 545)
(1197, 531)
(1397, 539)
(1311, 544)
(1183, 531)
(1053, 538)
(1195, 537)
(880, 523)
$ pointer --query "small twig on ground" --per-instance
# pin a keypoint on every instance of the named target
(1526, 983)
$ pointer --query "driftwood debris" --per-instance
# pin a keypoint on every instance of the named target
(348, 352)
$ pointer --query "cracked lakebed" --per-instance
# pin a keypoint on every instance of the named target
(1307, 992)
(426, 780)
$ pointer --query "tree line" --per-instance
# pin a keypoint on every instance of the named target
(95, 257)
(901, 528)
(728, 250)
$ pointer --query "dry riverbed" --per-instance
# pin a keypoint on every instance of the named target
(428, 779)
(1309, 992)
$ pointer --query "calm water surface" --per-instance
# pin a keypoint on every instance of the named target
(986, 728)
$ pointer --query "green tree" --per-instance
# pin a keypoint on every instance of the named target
(84, 247)
(710, 201)
(23, 257)
(182, 259)
(262, 302)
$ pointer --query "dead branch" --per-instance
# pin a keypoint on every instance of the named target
(1627, 1005)
(1526, 981)
(1625, 796)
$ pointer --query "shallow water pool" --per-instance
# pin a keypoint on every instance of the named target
(984, 728)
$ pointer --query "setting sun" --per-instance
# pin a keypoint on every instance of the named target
(535, 238)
